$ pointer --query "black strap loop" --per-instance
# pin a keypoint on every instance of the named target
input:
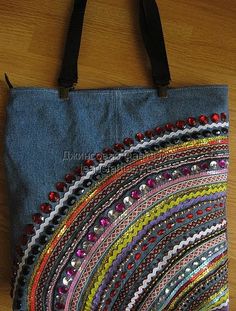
(152, 33)
(69, 72)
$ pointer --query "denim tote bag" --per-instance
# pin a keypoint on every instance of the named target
(136, 220)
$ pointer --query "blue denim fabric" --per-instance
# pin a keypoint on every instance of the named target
(44, 131)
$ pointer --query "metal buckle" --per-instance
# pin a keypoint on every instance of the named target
(162, 91)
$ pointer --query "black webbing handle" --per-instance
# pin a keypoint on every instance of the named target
(69, 72)
(151, 28)
(152, 33)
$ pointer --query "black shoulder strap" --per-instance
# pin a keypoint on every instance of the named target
(151, 28)
(69, 72)
(152, 33)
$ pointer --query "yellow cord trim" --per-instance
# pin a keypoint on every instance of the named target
(132, 232)
(92, 193)
(222, 300)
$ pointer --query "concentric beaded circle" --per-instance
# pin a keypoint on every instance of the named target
(140, 226)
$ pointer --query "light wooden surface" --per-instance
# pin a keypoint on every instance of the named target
(201, 43)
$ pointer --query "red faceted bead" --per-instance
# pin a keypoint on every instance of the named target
(181, 124)
(128, 141)
(61, 186)
(29, 229)
(24, 239)
(160, 232)
(144, 247)
(152, 239)
(99, 157)
(179, 220)
(170, 225)
(149, 134)
(113, 293)
(215, 117)
(130, 265)
(221, 204)
(46, 208)
(37, 218)
(208, 209)
(223, 116)
(117, 284)
(88, 163)
(169, 127)
(79, 170)
(199, 212)
(119, 147)
(123, 275)
(203, 119)
(139, 136)
(189, 216)
(53, 196)
(159, 130)
(137, 256)
(192, 121)
(69, 178)
(108, 151)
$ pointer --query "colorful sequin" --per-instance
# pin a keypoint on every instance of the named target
(141, 226)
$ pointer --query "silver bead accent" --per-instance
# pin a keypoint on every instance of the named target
(176, 174)
(98, 230)
(67, 281)
(173, 283)
(217, 249)
(167, 291)
(195, 263)
(159, 178)
(187, 270)
(143, 188)
(213, 165)
(112, 214)
(87, 245)
(76, 263)
(128, 201)
(195, 169)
